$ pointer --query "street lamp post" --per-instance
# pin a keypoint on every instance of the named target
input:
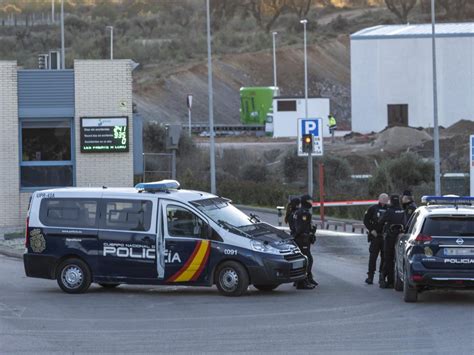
(274, 60)
(435, 104)
(310, 155)
(63, 55)
(52, 11)
(111, 28)
(211, 103)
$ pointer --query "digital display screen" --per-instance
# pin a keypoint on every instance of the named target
(104, 134)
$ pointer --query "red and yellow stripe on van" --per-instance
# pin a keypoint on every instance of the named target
(195, 264)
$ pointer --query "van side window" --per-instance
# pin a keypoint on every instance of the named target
(68, 212)
(132, 215)
(184, 223)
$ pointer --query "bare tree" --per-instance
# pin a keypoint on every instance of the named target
(300, 7)
(266, 12)
(401, 8)
(454, 8)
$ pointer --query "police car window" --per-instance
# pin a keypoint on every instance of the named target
(412, 222)
(131, 215)
(68, 212)
(183, 223)
(449, 226)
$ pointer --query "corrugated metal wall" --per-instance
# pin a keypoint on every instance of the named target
(45, 93)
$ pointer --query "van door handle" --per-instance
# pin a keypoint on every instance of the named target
(147, 240)
(170, 245)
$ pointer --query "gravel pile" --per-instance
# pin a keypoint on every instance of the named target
(397, 139)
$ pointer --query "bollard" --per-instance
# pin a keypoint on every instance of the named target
(280, 210)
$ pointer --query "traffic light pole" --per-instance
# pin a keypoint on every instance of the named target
(310, 154)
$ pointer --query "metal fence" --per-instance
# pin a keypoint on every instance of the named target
(157, 166)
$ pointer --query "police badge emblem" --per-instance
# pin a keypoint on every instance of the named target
(37, 241)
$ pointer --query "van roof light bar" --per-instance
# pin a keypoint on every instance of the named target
(448, 200)
(158, 186)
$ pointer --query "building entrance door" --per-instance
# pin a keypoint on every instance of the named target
(397, 115)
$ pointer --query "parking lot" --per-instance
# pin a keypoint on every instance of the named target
(342, 315)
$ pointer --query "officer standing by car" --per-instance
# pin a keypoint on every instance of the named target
(304, 237)
(375, 236)
(393, 222)
(291, 208)
(408, 204)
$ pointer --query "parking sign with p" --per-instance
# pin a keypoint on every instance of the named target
(312, 126)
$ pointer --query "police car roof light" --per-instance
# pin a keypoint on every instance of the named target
(448, 200)
(156, 186)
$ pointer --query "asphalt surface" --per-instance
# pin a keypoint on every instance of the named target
(343, 315)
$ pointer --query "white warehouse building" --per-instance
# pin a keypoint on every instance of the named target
(392, 73)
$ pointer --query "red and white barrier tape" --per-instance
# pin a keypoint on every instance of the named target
(346, 203)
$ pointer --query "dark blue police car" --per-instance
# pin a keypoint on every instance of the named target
(154, 234)
(437, 250)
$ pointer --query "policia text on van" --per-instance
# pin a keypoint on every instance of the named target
(154, 234)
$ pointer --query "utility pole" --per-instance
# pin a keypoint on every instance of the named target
(310, 154)
(435, 105)
(63, 55)
(111, 28)
(211, 103)
(52, 11)
(274, 60)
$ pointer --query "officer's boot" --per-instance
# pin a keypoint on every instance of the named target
(311, 280)
(381, 278)
(304, 285)
(370, 279)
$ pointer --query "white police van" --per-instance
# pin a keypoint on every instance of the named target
(154, 234)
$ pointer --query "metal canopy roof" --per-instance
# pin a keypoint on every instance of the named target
(415, 31)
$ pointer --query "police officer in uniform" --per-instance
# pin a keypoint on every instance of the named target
(393, 222)
(375, 236)
(291, 208)
(304, 237)
(408, 204)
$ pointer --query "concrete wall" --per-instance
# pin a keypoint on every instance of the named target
(9, 164)
(100, 87)
(399, 71)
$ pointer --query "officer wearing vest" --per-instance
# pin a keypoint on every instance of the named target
(332, 126)
(408, 204)
(304, 237)
(393, 222)
(291, 208)
(375, 236)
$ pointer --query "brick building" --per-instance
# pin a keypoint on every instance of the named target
(65, 128)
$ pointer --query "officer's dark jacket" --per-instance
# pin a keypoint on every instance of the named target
(372, 217)
(302, 222)
(290, 219)
(409, 208)
(395, 215)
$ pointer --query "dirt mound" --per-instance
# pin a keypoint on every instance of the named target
(396, 139)
(462, 127)
(164, 99)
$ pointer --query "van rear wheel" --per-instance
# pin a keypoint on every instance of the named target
(232, 279)
(73, 276)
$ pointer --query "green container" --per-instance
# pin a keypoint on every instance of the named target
(255, 103)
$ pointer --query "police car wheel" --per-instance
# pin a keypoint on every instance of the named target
(104, 285)
(265, 288)
(73, 276)
(232, 279)
(410, 294)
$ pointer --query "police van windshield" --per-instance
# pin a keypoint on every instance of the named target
(221, 211)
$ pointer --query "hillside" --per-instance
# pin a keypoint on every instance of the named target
(164, 99)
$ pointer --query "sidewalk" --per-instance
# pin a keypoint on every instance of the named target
(12, 247)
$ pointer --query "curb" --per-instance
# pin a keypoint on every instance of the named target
(11, 253)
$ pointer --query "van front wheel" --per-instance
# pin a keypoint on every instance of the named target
(232, 279)
(73, 276)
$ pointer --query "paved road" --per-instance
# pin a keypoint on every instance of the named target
(342, 315)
